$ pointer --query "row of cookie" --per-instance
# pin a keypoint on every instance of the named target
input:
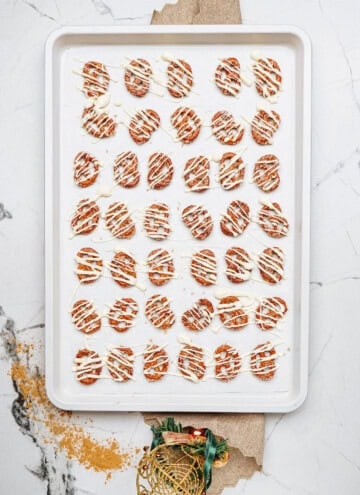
(234, 313)
(227, 77)
(160, 267)
(196, 218)
(186, 125)
(196, 171)
(192, 363)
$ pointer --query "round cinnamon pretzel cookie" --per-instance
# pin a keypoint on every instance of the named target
(196, 173)
(137, 77)
(231, 313)
(238, 265)
(122, 269)
(98, 123)
(231, 171)
(268, 76)
(85, 317)
(160, 171)
(180, 78)
(271, 265)
(86, 169)
(264, 125)
(263, 361)
(159, 312)
(143, 124)
(186, 123)
(86, 217)
(204, 267)
(88, 366)
(156, 221)
(122, 313)
(156, 362)
(226, 129)
(236, 219)
(120, 363)
(126, 172)
(118, 220)
(96, 79)
(89, 265)
(266, 173)
(227, 362)
(227, 76)
(191, 362)
(269, 312)
(161, 267)
(199, 316)
(272, 221)
(198, 220)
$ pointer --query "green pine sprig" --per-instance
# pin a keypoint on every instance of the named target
(196, 448)
(167, 425)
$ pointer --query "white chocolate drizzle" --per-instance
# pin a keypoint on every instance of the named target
(230, 175)
(144, 123)
(265, 128)
(272, 219)
(190, 122)
(196, 173)
(180, 79)
(161, 265)
(85, 317)
(270, 312)
(85, 217)
(226, 83)
(226, 129)
(191, 363)
(120, 269)
(270, 263)
(141, 71)
(119, 362)
(236, 219)
(233, 312)
(126, 169)
(266, 178)
(204, 266)
(97, 84)
(258, 366)
(198, 220)
(92, 263)
(98, 123)
(158, 311)
(123, 313)
(118, 220)
(200, 315)
(266, 77)
(238, 265)
(156, 222)
(86, 168)
(160, 169)
(156, 360)
(86, 366)
(102, 101)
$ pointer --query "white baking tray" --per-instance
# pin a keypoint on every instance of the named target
(202, 46)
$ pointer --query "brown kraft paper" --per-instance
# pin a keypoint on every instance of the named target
(246, 439)
(199, 12)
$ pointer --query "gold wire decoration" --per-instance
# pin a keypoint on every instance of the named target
(170, 470)
(180, 460)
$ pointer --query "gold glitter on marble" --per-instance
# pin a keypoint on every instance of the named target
(73, 439)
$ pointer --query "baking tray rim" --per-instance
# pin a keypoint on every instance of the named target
(51, 44)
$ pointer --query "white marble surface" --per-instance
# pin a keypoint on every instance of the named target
(315, 450)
